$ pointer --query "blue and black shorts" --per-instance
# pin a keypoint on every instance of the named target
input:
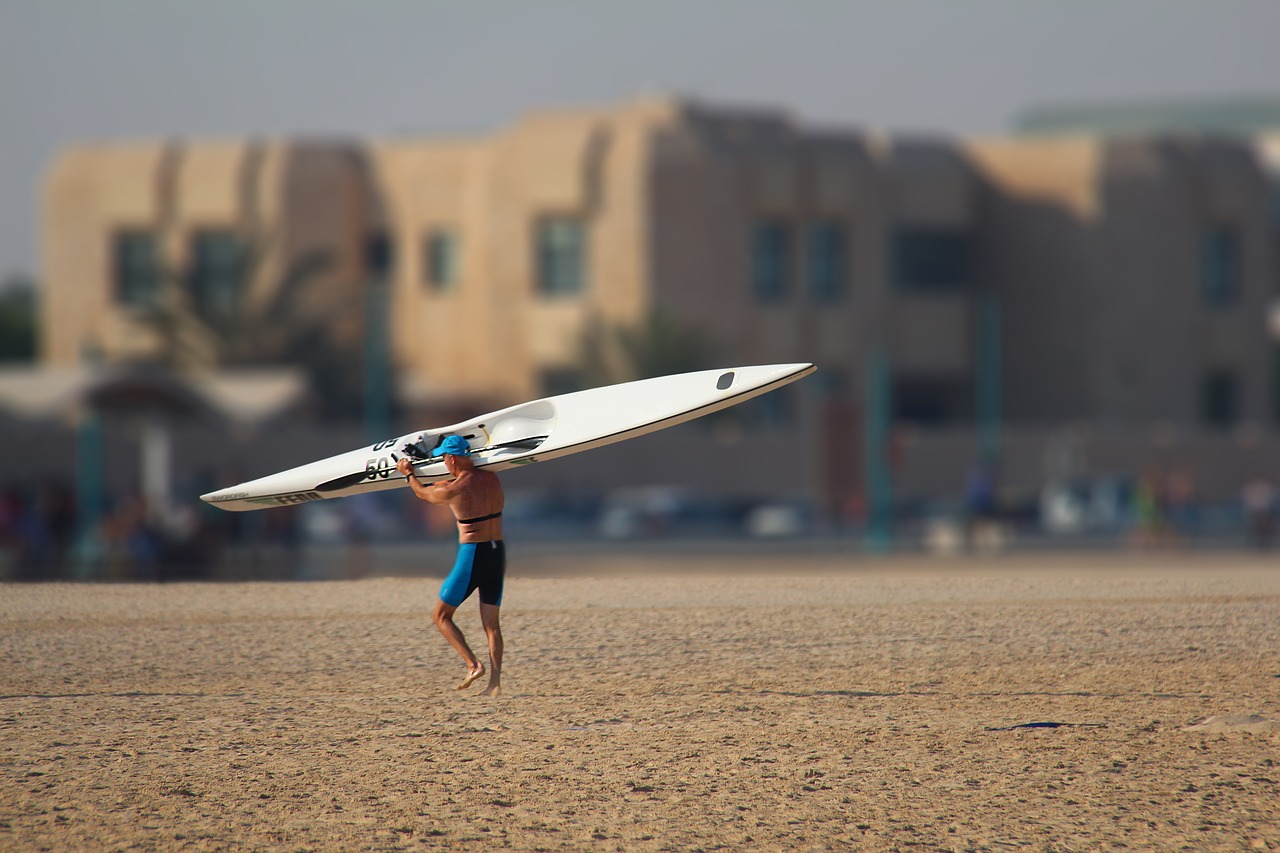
(480, 565)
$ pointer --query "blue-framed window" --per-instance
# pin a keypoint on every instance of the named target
(1220, 399)
(825, 261)
(1220, 266)
(770, 261)
(379, 254)
(931, 400)
(778, 408)
(931, 258)
(441, 259)
(561, 380)
(218, 268)
(561, 247)
(137, 268)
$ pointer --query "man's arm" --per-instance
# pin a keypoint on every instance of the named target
(437, 493)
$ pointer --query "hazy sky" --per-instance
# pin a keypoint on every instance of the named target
(103, 69)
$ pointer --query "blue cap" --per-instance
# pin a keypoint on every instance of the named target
(454, 445)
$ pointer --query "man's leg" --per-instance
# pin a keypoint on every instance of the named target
(444, 621)
(493, 631)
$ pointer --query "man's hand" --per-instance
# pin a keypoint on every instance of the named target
(404, 466)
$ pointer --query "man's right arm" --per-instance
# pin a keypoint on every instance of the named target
(431, 494)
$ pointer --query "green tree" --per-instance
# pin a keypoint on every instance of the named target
(18, 320)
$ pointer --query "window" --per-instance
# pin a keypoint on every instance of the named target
(826, 262)
(930, 400)
(1220, 267)
(217, 274)
(931, 258)
(561, 261)
(770, 261)
(379, 255)
(561, 380)
(775, 409)
(830, 382)
(1219, 399)
(441, 260)
(137, 269)
(1275, 383)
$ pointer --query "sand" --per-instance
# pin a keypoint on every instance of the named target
(656, 703)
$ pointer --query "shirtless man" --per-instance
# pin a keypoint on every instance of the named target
(475, 496)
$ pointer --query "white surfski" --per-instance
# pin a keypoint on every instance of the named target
(520, 435)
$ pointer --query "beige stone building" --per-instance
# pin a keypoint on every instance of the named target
(1135, 274)
(1126, 281)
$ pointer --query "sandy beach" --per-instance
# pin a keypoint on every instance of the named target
(656, 703)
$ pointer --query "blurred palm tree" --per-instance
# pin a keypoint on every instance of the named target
(17, 320)
(288, 322)
(658, 345)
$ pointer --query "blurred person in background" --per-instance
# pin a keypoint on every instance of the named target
(1258, 500)
(476, 499)
(1181, 508)
(1148, 511)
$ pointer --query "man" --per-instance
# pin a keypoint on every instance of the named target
(475, 497)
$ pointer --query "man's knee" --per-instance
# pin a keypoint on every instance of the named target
(443, 613)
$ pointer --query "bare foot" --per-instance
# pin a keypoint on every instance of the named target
(472, 675)
(493, 689)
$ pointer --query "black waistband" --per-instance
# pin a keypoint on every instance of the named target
(480, 518)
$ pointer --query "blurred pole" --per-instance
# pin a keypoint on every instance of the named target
(877, 467)
(377, 346)
(89, 479)
(989, 382)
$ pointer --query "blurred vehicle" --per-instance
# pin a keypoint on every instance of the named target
(534, 514)
(779, 520)
(661, 511)
(1097, 506)
(356, 518)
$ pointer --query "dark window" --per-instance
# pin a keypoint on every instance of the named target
(137, 269)
(1220, 267)
(561, 380)
(928, 258)
(379, 255)
(826, 262)
(217, 274)
(561, 247)
(441, 260)
(931, 401)
(830, 382)
(1275, 383)
(1220, 399)
(775, 409)
(770, 261)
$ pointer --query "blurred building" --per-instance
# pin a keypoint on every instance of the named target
(1135, 275)
(203, 230)
(1032, 280)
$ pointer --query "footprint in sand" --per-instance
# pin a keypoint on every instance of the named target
(1235, 723)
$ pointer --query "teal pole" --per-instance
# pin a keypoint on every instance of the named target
(89, 490)
(877, 470)
(377, 363)
(378, 260)
(989, 383)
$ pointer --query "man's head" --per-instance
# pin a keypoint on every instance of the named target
(454, 445)
(456, 453)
